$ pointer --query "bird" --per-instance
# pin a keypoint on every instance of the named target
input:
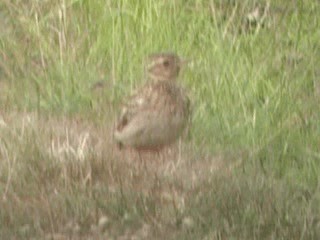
(156, 114)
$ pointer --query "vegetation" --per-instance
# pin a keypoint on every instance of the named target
(249, 167)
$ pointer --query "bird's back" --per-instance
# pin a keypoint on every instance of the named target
(153, 117)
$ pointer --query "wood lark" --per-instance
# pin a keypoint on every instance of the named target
(157, 114)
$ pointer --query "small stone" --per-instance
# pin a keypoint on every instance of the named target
(187, 222)
(25, 229)
(103, 222)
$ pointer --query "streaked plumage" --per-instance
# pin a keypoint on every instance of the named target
(157, 113)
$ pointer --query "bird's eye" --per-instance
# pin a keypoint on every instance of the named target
(166, 63)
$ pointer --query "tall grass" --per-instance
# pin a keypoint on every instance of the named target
(250, 165)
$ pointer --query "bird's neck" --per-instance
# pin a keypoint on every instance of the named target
(160, 78)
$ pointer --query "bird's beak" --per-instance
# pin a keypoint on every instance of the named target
(184, 61)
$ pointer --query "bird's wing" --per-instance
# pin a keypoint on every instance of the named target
(141, 100)
(158, 96)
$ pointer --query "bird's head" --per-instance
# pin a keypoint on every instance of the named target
(164, 66)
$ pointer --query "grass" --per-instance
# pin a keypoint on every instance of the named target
(249, 169)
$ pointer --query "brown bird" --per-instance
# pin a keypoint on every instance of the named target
(157, 114)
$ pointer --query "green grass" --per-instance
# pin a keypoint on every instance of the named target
(249, 169)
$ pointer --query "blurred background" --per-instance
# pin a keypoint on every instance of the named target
(248, 167)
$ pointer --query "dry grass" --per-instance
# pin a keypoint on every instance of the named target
(72, 159)
(248, 168)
